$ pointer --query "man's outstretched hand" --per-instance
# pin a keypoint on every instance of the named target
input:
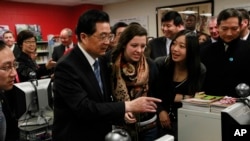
(142, 104)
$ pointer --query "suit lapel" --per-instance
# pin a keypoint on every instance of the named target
(16, 51)
(163, 47)
(248, 38)
(62, 49)
(88, 71)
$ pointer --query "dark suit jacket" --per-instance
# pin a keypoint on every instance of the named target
(58, 52)
(226, 69)
(166, 88)
(27, 65)
(248, 38)
(81, 111)
(8, 104)
(157, 47)
(16, 51)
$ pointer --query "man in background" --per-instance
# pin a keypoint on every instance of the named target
(213, 33)
(8, 123)
(213, 29)
(171, 23)
(249, 23)
(190, 23)
(244, 34)
(66, 45)
(8, 38)
(117, 30)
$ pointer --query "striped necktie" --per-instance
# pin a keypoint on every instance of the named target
(97, 74)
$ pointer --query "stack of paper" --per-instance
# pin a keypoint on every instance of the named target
(218, 106)
(201, 102)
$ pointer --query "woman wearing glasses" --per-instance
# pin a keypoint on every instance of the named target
(26, 40)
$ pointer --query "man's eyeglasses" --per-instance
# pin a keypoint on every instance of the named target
(105, 37)
(29, 42)
(9, 68)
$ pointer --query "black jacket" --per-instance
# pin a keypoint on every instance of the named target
(156, 48)
(27, 65)
(16, 51)
(226, 69)
(81, 111)
(166, 89)
(8, 103)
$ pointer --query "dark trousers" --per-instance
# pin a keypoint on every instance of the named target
(173, 131)
(149, 135)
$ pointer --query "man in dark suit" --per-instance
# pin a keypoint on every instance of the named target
(245, 32)
(65, 46)
(227, 60)
(8, 121)
(190, 23)
(8, 38)
(213, 29)
(83, 109)
(117, 30)
(171, 23)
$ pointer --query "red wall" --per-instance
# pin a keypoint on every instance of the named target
(51, 18)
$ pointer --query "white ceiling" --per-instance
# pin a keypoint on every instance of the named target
(70, 2)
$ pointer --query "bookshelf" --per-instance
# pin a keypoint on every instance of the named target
(43, 52)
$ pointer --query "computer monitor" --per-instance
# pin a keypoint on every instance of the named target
(235, 120)
(33, 97)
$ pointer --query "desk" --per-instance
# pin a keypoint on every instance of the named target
(198, 126)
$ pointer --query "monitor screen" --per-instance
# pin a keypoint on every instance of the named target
(235, 121)
(33, 97)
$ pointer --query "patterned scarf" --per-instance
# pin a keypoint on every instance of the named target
(130, 81)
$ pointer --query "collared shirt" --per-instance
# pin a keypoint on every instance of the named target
(245, 37)
(90, 59)
(70, 46)
(226, 46)
(213, 40)
(168, 45)
(12, 47)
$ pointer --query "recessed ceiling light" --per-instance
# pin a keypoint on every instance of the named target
(187, 12)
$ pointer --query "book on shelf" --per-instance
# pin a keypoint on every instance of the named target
(218, 106)
(200, 102)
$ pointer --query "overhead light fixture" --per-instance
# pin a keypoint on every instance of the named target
(206, 14)
(187, 12)
(167, 8)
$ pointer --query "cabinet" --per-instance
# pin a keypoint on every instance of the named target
(43, 52)
(198, 126)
